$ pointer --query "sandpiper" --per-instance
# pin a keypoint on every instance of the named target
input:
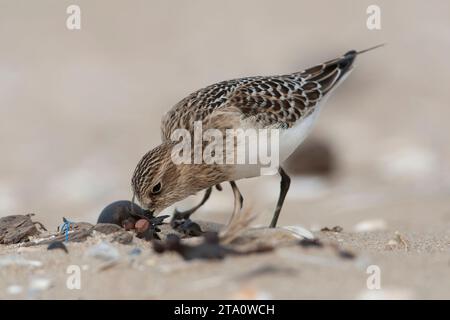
(289, 103)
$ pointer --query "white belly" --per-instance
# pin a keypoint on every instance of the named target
(291, 138)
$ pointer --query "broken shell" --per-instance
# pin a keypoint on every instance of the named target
(299, 232)
(370, 225)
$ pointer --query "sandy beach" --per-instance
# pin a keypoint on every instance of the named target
(410, 251)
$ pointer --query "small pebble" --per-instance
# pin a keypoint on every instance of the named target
(142, 225)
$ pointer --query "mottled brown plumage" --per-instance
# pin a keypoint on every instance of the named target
(270, 101)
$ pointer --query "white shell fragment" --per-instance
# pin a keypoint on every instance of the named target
(370, 225)
(299, 232)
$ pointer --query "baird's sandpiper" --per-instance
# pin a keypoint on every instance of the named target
(289, 103)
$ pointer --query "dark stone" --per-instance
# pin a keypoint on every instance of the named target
(57, 245)
(120, 212)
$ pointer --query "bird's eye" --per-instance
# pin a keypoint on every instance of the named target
(157, 188)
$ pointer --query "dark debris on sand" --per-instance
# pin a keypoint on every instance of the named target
(18, 228)
(187, 227)
(317, 243)
(121, 217)
(57, 245)
(336, 229)
(210, 248)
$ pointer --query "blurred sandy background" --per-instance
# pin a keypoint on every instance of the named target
(79, 108)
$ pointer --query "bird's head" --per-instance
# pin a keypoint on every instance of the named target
(158, 181)
(155, 181)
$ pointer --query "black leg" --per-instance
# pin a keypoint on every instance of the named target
(284, 187)
(238, 200)
(180, 215)
(237, 194)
